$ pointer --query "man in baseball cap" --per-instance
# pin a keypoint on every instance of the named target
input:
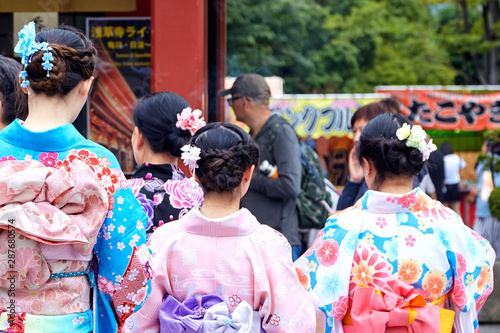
(250, 85)
(271, 199)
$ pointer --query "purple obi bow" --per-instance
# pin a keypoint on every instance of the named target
(208, 313)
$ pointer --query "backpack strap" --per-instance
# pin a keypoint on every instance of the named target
(273, 128)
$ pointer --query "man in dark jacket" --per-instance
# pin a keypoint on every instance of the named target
(271, 200)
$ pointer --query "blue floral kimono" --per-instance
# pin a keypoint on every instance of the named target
(409, 238)
(120, 252)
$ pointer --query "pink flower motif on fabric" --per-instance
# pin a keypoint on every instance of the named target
(477, 236)
(234, 300)
(391, 199)
(182, 194)
(316, 244)
(410, 240)
(9, 158)
(275, 320)
(481, 299)
(136, 184)
(406, 200)
(327, 253)
(370, 268)
(381, 222)
(458, 294)
(88, 157)
(105, 286)
(49, 159)
(339, 308)
(141, 295)
(461, 265)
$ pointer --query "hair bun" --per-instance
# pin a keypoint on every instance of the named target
(226, 153)
(390, 156)
(43, 81)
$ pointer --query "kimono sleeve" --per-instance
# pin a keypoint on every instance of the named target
(471, 258)
(285, 304)
(121, 253)
(325, 270)
(147, 320)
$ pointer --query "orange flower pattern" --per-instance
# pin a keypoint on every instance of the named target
(409, 270)
(409, 237)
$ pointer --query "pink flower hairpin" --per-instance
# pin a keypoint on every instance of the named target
(190, 120)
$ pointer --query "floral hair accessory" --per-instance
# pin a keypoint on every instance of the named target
(190, 120)
(190, 155)
(26, 47)
(415, 137)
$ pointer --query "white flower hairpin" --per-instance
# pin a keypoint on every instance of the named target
(415, 137)
(190, 156)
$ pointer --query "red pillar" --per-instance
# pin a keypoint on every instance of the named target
(179, 49)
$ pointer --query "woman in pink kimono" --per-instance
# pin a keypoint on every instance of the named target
(228, 270)
(398, 261)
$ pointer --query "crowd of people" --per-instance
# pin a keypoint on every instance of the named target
(218, 250)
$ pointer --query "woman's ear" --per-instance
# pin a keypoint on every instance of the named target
(86, 85)
(369, 173)
(247, 176)
(138, 138)
(245, 182)
(367, 167)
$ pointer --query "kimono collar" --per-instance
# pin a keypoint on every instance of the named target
(61, 138)
(240, 223)
(388, 203)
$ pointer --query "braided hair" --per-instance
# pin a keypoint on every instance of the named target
(74, 61)
(226, 153)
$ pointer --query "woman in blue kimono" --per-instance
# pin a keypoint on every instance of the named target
(66, 239)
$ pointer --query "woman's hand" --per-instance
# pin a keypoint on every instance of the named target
(355, 169)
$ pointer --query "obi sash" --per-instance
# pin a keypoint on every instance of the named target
(396, 308)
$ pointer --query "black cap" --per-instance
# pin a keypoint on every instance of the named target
(251, 85)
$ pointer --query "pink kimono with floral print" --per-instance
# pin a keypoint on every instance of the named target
(49, 221)
(236, 257)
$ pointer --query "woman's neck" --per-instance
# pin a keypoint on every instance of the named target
(218, 205)
(158, 158)
(46, 113)
(396, 185)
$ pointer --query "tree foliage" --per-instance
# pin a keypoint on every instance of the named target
(328, 46)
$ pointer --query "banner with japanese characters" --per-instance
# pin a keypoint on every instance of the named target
(321, 115)
(448, 110)
(123, 75)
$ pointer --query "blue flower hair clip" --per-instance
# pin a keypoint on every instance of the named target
(27, 46)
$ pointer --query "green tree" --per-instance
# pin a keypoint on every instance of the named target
(327, 46)
(470, 30)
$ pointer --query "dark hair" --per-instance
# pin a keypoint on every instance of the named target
(156, 115)
(227, 152)
(369, 111)
(9, 70)
(446, 148)
(392, 105)
(74, 61)
(390, 156)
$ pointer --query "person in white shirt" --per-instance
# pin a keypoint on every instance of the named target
(452, 166)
